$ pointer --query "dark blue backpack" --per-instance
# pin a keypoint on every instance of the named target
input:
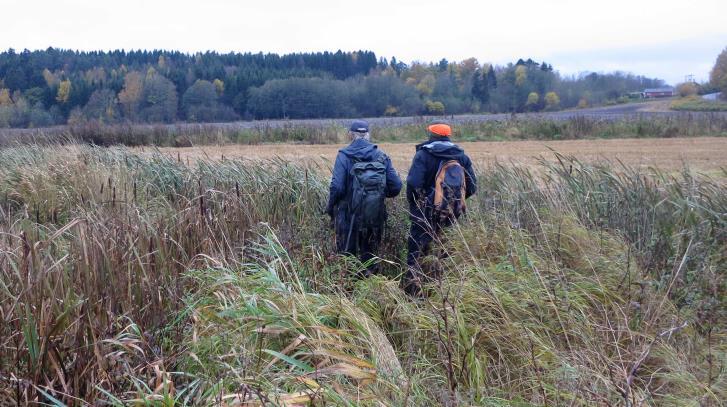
(368, 192)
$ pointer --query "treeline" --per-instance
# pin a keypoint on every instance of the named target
(53, 86)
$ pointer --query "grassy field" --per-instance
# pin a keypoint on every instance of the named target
(697, 104)
(136, 278)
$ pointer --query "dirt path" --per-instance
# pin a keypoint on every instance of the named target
(706, 154)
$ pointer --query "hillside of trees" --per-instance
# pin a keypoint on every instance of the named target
(55, 86)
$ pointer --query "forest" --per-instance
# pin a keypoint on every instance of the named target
(56, 86)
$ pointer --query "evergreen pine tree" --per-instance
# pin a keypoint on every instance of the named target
(480, 88)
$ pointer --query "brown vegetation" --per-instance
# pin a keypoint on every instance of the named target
(134, 279)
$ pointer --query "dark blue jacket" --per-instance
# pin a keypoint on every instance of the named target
(425, 165)
(361, 150)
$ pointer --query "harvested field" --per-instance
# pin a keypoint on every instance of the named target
(705, 154)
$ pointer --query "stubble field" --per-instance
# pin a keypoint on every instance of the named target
(703, 154)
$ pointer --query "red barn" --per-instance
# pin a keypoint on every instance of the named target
(658, 93)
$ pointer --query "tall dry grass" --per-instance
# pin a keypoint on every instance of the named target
(138, 279)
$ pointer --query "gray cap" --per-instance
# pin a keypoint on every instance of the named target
(359, 126)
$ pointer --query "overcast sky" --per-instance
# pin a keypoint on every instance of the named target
(666, 39)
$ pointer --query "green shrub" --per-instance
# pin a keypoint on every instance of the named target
(696, 103)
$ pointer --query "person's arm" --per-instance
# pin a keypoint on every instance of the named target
(338, 184)
(415, 178)
(470, 178)
(393, 182)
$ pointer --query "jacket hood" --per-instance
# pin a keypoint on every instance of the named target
(442, 147)
(361, 149)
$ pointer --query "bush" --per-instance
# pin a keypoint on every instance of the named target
(434, 108)
(687, 89)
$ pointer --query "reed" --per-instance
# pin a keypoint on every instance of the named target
(137, 279)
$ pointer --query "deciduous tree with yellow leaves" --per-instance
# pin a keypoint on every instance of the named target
(64, 91)
(5, 99)
(718, 76)
(533, 100)
(130, 95)
(552, 101)
(521, 75)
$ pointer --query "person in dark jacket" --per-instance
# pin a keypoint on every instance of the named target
(348, 240)
(420, 184)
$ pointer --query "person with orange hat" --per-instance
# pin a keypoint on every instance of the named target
(440, 179)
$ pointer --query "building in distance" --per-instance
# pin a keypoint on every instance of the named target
(658, 92)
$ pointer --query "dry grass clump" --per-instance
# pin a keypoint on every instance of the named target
(134, 279)
(94, 240)
(514, 321)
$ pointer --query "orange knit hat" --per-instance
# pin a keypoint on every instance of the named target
(441, 129)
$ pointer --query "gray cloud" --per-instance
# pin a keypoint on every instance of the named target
(645, 36)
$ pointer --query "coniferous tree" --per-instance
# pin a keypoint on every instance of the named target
(480, 87)
(491, 78)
